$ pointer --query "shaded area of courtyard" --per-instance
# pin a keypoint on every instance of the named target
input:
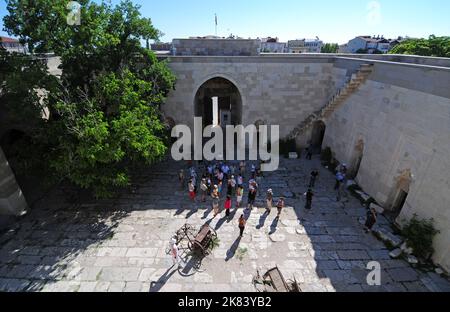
(72, 243)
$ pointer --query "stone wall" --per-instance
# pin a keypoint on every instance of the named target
(12, 200)
(402, 115)
(218, 47)
(281, 91)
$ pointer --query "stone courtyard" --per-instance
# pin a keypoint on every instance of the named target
(70, 243)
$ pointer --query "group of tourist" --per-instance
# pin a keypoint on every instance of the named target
(220, 176)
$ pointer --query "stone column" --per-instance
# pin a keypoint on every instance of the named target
(12, 200)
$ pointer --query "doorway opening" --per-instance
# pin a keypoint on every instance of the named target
(317, 136)
(400, 202)
(400, 193)
(219, 103)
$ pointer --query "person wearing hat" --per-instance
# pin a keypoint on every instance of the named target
(269, 201)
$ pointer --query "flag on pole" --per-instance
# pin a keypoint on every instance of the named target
(216, 19)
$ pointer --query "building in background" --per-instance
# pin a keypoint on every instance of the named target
(371, 45)
(297, 46)
(305, 46)
(342, 48)
(314, 45)
(12, 45)
(272, 45)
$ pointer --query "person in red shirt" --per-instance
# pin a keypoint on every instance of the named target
(191, 190)
(227, 206)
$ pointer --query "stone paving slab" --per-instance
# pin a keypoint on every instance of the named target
(119, 245)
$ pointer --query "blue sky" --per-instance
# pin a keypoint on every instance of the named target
(330, 20)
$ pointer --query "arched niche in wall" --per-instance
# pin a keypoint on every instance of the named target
(356, 158)
(400, 191)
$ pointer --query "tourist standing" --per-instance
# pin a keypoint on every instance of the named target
(175, 253)
(251, 197)
(204, 189)
(233, 183)
(280, 206)
(242, 224)
(242, 168)
(240, 180)
(269, 201)
(309, 152)
(227, 206)
(191, 188)
(239, 194)
(215, 200)
(309, 197)
(313, 178)
(229, 187)
(253, 171)
(339, 180)
(181, 178)
(371, 220)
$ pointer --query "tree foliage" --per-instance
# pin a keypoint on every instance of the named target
(105, 108)
(330, 48)
(420, 234)
(433, 46)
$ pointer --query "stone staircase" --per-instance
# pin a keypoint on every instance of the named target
(336, 101)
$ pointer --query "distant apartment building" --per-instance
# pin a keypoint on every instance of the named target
(12, 45)
(305, 46)
(371, 45)
(314, 45)
(272, 45)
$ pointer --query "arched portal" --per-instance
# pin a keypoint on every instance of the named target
(317, 136)
(218, 99)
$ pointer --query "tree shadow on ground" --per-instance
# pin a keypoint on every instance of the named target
(51, 244)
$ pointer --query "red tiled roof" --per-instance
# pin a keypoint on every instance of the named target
(9, 40)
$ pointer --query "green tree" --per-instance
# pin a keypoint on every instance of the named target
(330, 48)
(433, 46)
(105, 113)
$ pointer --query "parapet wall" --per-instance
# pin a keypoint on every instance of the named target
(218, 47)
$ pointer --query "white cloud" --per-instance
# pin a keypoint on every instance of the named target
(374, 15)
